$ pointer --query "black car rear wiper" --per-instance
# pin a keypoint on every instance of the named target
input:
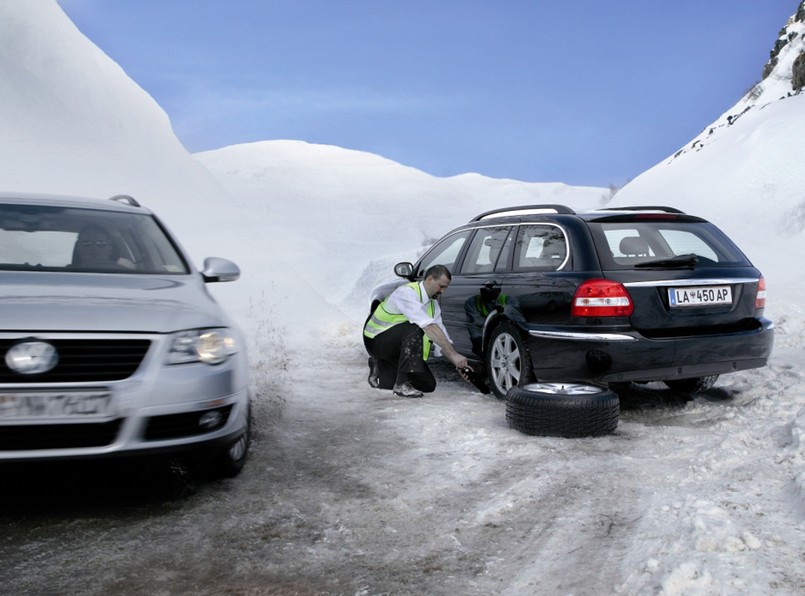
(679, 262)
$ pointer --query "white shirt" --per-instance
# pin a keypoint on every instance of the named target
(406, 301)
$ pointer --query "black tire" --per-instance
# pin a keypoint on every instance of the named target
(508, 362)
(694, 385)
(562, 410)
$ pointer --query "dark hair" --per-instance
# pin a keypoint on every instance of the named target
(436, 271)
(94, 229)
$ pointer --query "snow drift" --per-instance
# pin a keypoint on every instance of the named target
(746, 173)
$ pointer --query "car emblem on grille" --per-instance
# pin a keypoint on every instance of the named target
(32, 357)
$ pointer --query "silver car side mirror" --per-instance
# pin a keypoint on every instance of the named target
(218, 269)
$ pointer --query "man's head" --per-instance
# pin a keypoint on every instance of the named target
(93, 245)
(437, 278)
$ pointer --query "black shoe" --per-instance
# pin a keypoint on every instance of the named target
(374, 373)
(406, 390)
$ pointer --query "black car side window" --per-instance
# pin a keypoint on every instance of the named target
(446, 253)
(487, 252)
(542, 247)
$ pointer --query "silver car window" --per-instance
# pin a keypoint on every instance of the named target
(49, 238)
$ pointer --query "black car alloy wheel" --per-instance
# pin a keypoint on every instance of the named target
(507, 359)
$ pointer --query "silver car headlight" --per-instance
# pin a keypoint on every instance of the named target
(210, 346)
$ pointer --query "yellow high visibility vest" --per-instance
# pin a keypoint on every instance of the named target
(383, 320)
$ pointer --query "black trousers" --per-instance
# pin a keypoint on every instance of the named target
(399, 357)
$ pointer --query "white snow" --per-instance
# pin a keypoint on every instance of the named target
(706, 497)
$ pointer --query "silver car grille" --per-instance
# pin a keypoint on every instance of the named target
(82, 361)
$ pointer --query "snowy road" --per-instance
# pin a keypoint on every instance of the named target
(351, 490)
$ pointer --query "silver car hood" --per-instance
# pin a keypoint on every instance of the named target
(43, 301)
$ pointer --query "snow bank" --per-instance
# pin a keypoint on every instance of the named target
(357, 213)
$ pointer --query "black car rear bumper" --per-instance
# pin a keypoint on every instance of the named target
(566, 355)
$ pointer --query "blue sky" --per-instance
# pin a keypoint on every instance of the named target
(578, 91)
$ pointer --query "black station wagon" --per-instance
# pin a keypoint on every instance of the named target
(635, 294)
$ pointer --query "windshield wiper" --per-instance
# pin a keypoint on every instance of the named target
(679, 262)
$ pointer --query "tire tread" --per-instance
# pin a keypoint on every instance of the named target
(538, 414)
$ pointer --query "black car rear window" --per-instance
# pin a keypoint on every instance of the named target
(645, 244)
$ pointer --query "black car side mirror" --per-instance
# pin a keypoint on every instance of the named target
(404, 269)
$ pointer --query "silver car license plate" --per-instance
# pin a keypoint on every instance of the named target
(91, 404)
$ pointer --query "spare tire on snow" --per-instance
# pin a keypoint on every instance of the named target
(562, 409)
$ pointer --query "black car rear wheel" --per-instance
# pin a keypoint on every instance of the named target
(562, 409)
(507, 359)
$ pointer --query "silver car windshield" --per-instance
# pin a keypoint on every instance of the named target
(49, 238)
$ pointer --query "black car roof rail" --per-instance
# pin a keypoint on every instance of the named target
(513, 210)
(644, 208)
(125, 199)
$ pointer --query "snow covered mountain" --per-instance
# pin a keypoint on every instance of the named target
(301, 220)
(746, 171)
(331, 221)
(74, 122)
(361, 213)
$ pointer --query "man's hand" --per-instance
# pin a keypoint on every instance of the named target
(459, 361)
(468, 373)
(465, 371)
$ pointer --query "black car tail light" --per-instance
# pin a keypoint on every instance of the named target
(760, 299)
(602, 298)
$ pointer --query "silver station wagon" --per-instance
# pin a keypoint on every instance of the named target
(110, 343)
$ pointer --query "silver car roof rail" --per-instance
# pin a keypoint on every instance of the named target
(125, 199)
(524, 210)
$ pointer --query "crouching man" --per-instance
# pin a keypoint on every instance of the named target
(401, 331)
